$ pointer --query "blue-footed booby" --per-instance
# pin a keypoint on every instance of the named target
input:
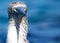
(17, 28)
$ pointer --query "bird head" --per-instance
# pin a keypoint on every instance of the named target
(17, 9)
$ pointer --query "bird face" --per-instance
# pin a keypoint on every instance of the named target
(17, 9)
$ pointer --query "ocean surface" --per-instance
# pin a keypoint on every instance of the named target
(43, 20)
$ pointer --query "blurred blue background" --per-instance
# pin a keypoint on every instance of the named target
(43, 19)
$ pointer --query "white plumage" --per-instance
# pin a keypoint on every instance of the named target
(17, 29)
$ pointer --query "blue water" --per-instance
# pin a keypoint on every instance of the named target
(43, 20)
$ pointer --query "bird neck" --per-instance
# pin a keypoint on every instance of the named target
(11, 21)
(21, 27)
(12, 32)
(23, 31)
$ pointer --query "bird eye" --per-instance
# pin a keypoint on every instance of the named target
(14, 9)
(26, 11)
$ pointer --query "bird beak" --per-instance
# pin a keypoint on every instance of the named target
(20, 10)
